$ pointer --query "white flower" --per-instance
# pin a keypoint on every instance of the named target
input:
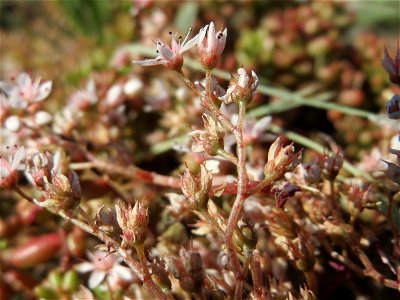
(25, 91)
(170, 56)
(9, 166)
(84, 98)
(102, 266)
(211, 46)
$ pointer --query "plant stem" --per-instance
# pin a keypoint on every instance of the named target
(93, 229)
(238, 204)
(148, 281)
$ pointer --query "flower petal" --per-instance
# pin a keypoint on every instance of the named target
(96, 278)
(149, 62)
(84, 267)
(44, 90)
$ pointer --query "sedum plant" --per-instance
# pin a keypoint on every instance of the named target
(256, 232)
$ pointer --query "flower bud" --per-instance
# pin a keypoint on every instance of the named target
(242, 88)
(392, 65)
(332, 166)
(196, 190)
(281, 160)
(133, 222)
(312, 172)
(245, 236)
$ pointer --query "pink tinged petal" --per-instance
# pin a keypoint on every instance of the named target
(19, 155)
(222, 42)
(212, 41)
(56, 163)
(24, 80)
(84, 267)
(150, 62)
(96, 278)
(44, 90)
(190, 43)
(202, 36)
(165, 52)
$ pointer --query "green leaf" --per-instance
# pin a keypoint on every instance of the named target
(186, 15)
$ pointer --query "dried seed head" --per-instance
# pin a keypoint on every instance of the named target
(133, 222)
(281, 160)
(210, 140)
(241, 88)
(63, 192)
(196, 190)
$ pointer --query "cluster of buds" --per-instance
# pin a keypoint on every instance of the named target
(241, 88)
(188, 269)
(133, 222)
(281, 160)
(210, 140)
(197, 190)
(9, 166)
